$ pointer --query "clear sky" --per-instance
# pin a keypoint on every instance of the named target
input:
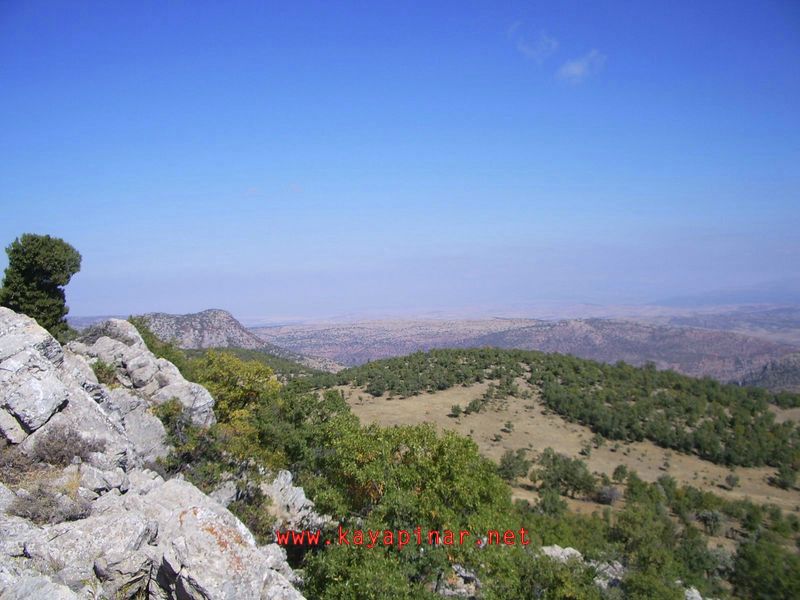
(307, 159)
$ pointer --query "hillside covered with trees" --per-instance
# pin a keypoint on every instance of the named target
(725, 424)
(390, 479)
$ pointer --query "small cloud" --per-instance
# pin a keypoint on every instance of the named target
(576, 70)
(538, 49)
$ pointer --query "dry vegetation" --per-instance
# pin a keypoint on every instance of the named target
(536, 427)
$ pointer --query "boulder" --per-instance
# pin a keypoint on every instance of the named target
(84, 415)
(29, 362)
(144, 430)
(560, 554)
(462, 583)
(22, 584)
(205, 552)
(6, 498)
(73, 548)
(225, 493)
(10, 428)
(135, 534)
(196, 400)
(290, 507)
(93, 479)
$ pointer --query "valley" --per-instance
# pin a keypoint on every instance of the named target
(535, 427)
(699, 352)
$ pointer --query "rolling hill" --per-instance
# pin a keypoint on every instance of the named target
(723, 355)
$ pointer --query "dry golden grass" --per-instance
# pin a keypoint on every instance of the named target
(536, 428)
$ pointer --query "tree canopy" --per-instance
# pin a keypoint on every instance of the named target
(39, 266)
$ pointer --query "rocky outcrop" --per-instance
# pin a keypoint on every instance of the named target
(31, 363)
(105, 526)
(607, 574)
(290, 507)
(215, 328)
(117, 343)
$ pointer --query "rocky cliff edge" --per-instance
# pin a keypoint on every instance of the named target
(100, 524)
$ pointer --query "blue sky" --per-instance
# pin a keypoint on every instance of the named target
(308, 159)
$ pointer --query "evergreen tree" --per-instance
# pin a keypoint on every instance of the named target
(39, 266)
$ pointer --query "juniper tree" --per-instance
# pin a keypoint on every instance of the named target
(39, 266)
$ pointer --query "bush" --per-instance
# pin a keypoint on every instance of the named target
(455, 411)
(785, 478)
(44, 505)
(513, 464)
(766, 570)
(105, 373)
(564, 474)
(253, 510)
(620, 473)
(607, 494)
(14, 465)
(60, 445)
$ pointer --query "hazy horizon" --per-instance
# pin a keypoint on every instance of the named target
(308, 161)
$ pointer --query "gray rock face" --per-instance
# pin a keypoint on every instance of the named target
(224, 494)
(118, 343)
(142, 427)
(140, 534)
(290, 507)
(195, 399)
(200, 549)
(29, 361)
(6, 498)
(463, 584)
(28, 584)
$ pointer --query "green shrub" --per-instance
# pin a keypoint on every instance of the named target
(513, 464)
(105, 373)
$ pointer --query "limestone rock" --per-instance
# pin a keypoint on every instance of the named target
(29, 359)
(84, 415)
(198, 403)
(290, 506)
(205, 551)
(560, 554)
(225, 493)
(20, 584)
(142, 427)
(463, 583)
(6, 498)
(135, 533)
(93, 479)
(10, 429)
(118, 343)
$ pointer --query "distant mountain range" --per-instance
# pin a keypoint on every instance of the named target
(751, 345)
(776, 323)
(723, 355)
(698, 352)
(782, 374)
